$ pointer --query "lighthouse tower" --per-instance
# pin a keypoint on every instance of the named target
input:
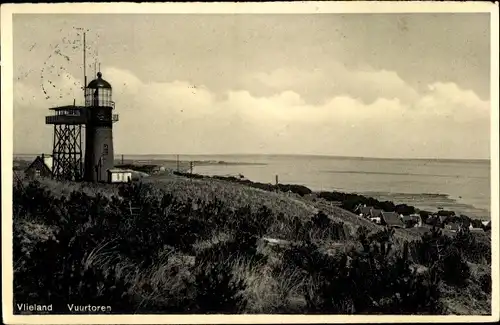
(99, 153)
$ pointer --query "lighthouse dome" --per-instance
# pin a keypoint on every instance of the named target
(99, 82)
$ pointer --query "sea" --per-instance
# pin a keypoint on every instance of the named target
(462, 186)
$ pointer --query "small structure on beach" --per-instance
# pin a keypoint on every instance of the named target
(392, 219)
(40, 167)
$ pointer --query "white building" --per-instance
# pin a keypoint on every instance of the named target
(117, 175)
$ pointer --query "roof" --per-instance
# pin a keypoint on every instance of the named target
(407, 218)
(47, 162)
(365, 210)
(67, 108)
(392, 218)
(99, 82)
(376, 212)
(118, 170)
(414, 217)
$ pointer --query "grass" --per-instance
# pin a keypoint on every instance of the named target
(196, 246)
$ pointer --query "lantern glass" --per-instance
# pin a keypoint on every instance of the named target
(98, 97)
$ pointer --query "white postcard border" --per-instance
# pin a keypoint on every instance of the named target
(238, 8)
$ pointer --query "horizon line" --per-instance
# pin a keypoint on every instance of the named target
(279, 154)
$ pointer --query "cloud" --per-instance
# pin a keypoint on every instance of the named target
(179, 117)
(335, 79)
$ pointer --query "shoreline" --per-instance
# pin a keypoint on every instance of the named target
(347, 201)
(467, 209)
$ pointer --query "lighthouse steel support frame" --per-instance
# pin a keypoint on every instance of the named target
(67, 152)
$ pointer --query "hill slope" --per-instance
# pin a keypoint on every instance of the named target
(184, 245)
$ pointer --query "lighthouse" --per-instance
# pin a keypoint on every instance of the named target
(99, 107)
(96, 118)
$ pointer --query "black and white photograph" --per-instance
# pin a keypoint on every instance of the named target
(223, 160)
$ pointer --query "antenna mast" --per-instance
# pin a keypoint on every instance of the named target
(97, 53)
(84, 66)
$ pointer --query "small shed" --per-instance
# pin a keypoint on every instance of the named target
(40, 167)
(116, 175)
(392, 219)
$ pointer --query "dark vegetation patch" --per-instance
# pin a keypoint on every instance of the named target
(139, 252)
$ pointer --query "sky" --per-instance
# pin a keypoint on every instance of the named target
(370, 85)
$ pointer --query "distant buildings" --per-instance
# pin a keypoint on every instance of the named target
(448, 221)
(389, 218)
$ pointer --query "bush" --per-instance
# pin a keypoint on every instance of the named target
(217, 291)
(472, 250)
(424, 215)
(454, 268)
(56, 273)
(445, 255)
(404, 209)
(370, 280)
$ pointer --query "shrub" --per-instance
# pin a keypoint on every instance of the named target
(443, 253)
(455, 270)
(55, 273)
(217, 291)
(370, 280)
(471, 249)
